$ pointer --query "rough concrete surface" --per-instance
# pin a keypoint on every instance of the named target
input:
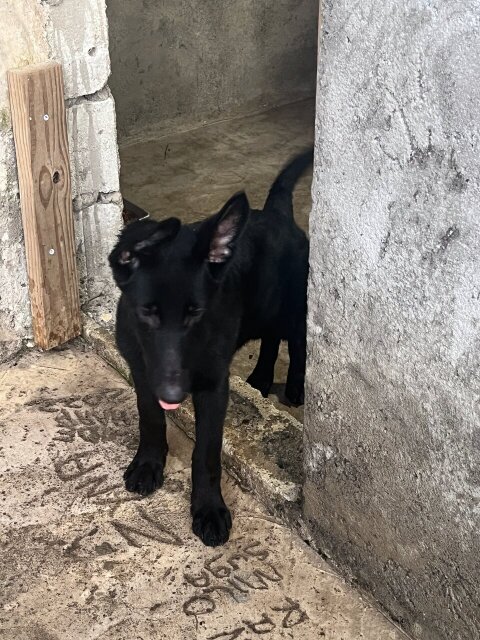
(182, 62)
(192, 174)
(93, 148)
(96, 232)
(78, 37)
(82, 559)
(15, 317)
(75, 34)
(102, 340)
(393, 414)
(10, 344)
(22, 42)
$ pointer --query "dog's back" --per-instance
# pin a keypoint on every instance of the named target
(273, 259)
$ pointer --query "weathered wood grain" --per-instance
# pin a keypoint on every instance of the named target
(40, 131)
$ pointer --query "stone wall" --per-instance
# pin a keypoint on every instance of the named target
(74, 34)
(178, 63)
(392, 427)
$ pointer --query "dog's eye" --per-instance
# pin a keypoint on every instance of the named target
(149, 315)
(149, 310)
(193, 313)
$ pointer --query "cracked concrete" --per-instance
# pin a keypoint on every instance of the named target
(87, 199)
(82, 559)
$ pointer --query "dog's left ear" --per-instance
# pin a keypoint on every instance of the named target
(218, 235)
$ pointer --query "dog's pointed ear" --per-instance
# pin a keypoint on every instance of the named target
(136, 243)
(218, 235)
(165, 230)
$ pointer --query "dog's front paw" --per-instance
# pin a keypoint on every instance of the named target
(143, 476)
(294, 394)
(212, 525)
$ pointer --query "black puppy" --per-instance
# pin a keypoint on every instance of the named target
(191, 296)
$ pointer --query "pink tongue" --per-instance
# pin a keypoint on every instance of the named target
(167, 406)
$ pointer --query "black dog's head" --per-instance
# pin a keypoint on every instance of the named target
(169, 274)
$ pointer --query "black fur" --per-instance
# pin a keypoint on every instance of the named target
(191, 296)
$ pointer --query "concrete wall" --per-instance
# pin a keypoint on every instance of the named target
(76, 35)
(22, 41)
(179, 62)
(392, 428)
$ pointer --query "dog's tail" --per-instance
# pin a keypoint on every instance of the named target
(280, 194)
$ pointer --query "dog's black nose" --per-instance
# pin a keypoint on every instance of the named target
(171, 389)
(172, 395)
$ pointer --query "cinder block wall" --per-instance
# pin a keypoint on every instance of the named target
(74, 34)
(22, 41)
(392, 425)
(180, 62)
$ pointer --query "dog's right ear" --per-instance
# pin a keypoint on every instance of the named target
(136, 245)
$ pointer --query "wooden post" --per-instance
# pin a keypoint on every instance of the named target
(40, 131)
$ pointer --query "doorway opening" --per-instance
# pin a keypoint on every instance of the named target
(212, 98)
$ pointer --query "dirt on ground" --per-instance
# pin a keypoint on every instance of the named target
(83, 559)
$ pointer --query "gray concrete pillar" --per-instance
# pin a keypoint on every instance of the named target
(392, 433)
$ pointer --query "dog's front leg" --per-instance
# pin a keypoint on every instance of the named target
(145, 472)
(211, 518)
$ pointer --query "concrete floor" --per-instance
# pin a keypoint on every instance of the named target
(191, 174)
(82, 559)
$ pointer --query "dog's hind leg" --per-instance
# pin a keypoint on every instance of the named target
(144, 474)
(297, 328)
(297, 350)
(211, 517)
(261, 377)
